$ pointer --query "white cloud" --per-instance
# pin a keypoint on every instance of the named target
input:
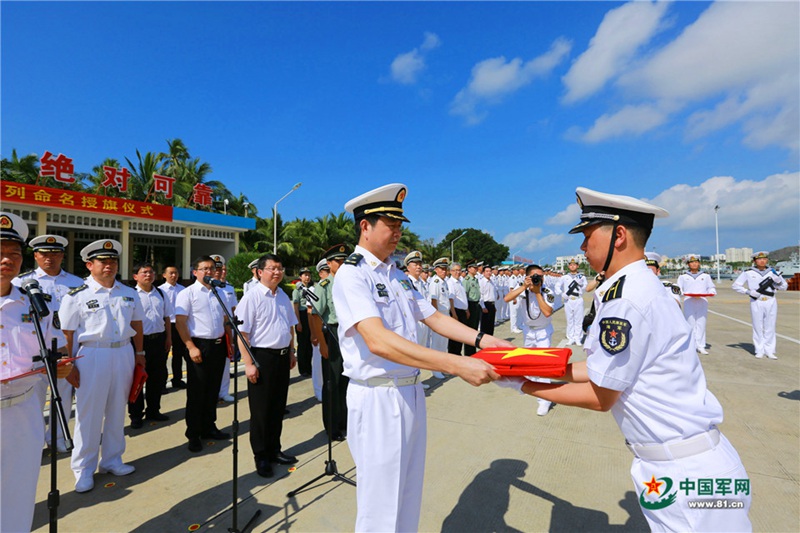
(530, 240)
(407, 67)
(743, 204)
(492, 79)
(568, 216)
(737, 64)
(632, 119)
(621, 33)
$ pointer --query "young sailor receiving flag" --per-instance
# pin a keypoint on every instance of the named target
(642, 366)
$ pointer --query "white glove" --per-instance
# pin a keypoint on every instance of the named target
(511, 382)
(753, 294)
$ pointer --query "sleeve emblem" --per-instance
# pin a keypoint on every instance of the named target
(615, 334)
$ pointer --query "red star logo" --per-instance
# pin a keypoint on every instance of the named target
(653, 486)
(613, 334)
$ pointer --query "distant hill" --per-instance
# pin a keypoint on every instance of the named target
(783, 254)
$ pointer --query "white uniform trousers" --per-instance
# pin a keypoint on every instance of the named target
(423, 335)
(225, 384)
(387, 435)
(720, 463)
(21, 440)
(764, 314)
(438, 342)
(573, 310)
(696, 311)
(538, 338)
(513, 312)
(316, 371)
(101, 402)
(502, 308)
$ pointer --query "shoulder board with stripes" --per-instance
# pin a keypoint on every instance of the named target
(77, 289)
(615, 291)
(353, 259)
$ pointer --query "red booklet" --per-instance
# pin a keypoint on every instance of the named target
(698, 295)
(541, 362)
(41, 370)
(139, 378)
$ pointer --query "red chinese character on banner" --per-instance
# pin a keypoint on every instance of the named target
(163, 184)
(60, 168)
(116, 178)
(202, 194)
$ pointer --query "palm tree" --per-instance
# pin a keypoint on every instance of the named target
(300, 243)
(140, 187)
(94, 181)
(21, 170)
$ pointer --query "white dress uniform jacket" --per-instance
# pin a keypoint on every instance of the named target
(571, 287)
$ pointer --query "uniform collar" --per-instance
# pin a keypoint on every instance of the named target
(627, 269)
(40, 273)
(95, 286)
(373, 262)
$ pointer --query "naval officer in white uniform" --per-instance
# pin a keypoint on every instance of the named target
(760, 284)
(21, 403)
(693, 284)
(642, 366)
(378, 309)
(101, 317)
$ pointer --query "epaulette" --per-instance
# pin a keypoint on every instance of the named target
(76, 290)
(436, 280)
(615, 291)
(27, 273)
(47, 297)
(324, 282)
(353, 259)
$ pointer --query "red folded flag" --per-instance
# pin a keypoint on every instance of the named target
(139, 377)
(61, 362)
(698, 295)
(542, 362)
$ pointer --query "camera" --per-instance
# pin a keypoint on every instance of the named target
(536, 279)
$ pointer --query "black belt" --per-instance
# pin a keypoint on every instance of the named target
(334, 324)
(151, 336)
(200, 340)
(274, 351)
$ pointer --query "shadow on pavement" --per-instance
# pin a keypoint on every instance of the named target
(472, 513)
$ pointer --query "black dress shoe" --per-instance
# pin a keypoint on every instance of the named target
(137, 423)
(216, 435)
(263, 468)
(339, 437)
(158, 417)
(195, 445)
(283, 459)
(178, 385)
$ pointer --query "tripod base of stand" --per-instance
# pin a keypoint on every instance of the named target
(330, 471)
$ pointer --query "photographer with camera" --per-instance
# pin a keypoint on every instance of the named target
(536, 305)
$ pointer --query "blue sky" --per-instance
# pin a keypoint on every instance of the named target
(491, 113)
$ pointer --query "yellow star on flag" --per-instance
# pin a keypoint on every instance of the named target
(521, 352)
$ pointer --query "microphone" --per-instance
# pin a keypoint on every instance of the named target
(208, 280)
(31, 286)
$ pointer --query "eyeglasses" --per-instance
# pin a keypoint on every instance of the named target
(277, 270)
(206, 269)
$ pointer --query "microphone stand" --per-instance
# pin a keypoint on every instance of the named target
(50, 359)
(330, 464)
(235, 426)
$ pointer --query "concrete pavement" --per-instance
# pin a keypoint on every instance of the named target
(492, 464)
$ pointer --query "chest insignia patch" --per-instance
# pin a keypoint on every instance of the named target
(26, 318)
(93, 304)
(127, 298)
(382, 290)
(405, 284)
(615, 334)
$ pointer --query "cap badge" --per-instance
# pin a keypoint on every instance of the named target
(5, 222)
(108, 245)
(401, 195)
